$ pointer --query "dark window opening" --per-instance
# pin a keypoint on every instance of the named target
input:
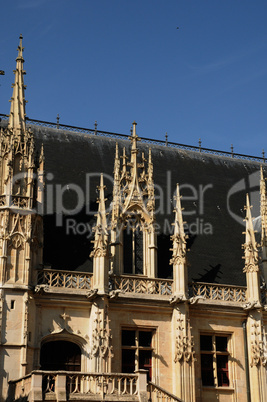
(137, 351)
(145, 338)
(60, 355)
(221, 343)
(128, 361)
(133, 251)
(207, 370)
(222, 371)
(206, 342)
(214, 360)
(128, 338)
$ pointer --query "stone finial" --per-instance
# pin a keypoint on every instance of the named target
(134, 137)
(250, 246)
(166, 139)
(116, 203)
(101, 234)
(179, 237)
(17, 109)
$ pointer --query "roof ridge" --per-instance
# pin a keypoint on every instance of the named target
(166, 143)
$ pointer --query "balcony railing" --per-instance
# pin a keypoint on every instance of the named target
(116, 385)
(158, 394)
(218, 292)
(65, 386)
(142, 285)
(65, 279)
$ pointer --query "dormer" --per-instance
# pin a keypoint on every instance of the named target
(133, 237)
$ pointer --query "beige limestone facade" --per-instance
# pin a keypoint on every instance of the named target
(115, 334)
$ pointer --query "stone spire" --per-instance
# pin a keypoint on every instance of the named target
(101, 235)
(178, 259)
(133, 191)
(116, 204)
(100, 251)
(150, 185)
(17, 110)
(251, 258)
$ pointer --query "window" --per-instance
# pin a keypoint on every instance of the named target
(133, 250)
(137, 350)
(214, 360)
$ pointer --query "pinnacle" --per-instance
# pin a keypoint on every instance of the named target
(17, 108)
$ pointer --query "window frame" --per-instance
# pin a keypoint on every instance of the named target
(215, 355)
(139, 348)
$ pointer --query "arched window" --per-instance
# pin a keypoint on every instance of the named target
(60, 355)
(133, 250)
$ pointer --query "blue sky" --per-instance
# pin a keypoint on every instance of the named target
(116, 61)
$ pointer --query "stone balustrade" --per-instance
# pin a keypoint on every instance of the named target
(65, 279)
(214, 292)
(65, 386)
(158, 394)
(142, 285)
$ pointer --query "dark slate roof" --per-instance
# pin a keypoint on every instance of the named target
(213, 189)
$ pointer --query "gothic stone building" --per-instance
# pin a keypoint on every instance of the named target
(117, 283)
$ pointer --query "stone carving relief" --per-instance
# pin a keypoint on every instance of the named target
(258, 345)
(101, 339)
(184, 343)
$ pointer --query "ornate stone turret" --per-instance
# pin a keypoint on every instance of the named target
(21, 242)
(21, 226)
(100, 252)
(132, 225)
(179, 252)
(17, 163)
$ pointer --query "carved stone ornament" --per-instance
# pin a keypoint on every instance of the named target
(184, 343)
(258, 346)
(251, 267)
(101, 339)
(91, 294)
(251, 305)
(40, 289)
(17, 241)
(196, 299)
